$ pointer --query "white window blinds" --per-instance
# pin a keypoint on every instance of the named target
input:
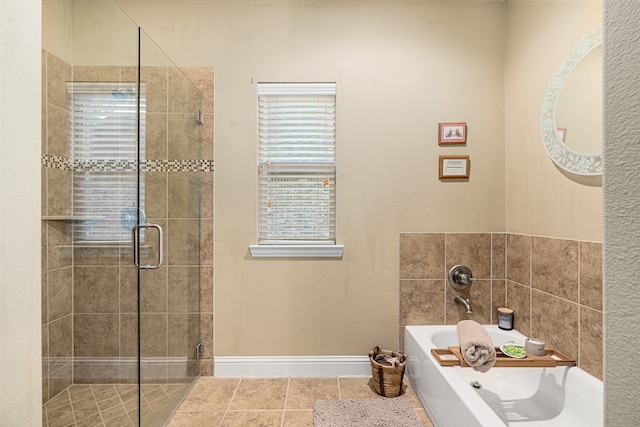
(297, 163)
(105, 159)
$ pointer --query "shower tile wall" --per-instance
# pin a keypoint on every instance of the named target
(554, 286)
(89, 295)
(57, 262)
(203, 78)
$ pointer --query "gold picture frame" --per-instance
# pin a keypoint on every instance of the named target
(454, 167)
(452, 133)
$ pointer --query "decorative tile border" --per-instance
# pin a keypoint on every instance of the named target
(56, 162)
(62, 163)
(105, 165)
(178, 166)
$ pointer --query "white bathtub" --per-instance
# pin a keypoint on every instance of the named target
(531, 397)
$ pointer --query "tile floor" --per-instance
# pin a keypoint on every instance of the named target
(277, 402)
(109, 405)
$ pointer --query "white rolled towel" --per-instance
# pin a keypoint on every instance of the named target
(476, 345)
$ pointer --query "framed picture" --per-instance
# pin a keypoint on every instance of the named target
(563, 133)
(452, 133)
(453, 167)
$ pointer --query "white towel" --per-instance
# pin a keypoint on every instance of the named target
(476, 345)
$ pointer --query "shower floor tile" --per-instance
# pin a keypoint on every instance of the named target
(106, 405)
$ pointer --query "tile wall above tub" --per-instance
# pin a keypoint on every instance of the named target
(554, 286)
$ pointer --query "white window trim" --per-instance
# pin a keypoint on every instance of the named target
(298, 249)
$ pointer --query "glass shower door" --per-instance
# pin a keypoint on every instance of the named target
(121, 151)
(168, 234)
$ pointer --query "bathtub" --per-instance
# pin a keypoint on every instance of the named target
(531, 397)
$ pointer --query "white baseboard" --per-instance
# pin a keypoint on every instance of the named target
(291, 366)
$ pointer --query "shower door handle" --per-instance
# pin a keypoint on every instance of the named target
(136, 246)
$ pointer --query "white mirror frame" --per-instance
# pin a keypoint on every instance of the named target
(563, 156)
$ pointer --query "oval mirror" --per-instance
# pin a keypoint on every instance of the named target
(571, 128)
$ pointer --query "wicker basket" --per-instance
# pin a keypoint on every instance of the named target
(387, 380)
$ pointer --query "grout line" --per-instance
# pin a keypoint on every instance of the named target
(530, 334)
(97, 406)
(286, 398)
(492, 309)
(446, 278)
(230, 401)
(579, 305)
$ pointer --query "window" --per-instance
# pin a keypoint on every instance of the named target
(297, 164)
(104, 132)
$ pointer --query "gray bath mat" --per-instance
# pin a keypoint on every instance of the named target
(364, 413)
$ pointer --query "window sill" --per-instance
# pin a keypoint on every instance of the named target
(296, 251)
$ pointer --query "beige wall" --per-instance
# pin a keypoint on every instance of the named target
(57, 19)
(541, 199)
(401, 67)
(20, 336)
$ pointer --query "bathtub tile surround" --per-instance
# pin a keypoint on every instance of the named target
(555, 321)
(89, 296)
(421, 302)
(481, 299)
(591, 323)
(591, 275)
(554, 286)
(519, 300)
(555, 291)
(498, 297)
(498, 254)
(421, 255)
(472, 250)
(554, 267)
(519, 258)
(425, 260)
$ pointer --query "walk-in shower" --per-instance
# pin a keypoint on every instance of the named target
(121, 221)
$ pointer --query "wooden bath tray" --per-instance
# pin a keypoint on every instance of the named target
(452, 356)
